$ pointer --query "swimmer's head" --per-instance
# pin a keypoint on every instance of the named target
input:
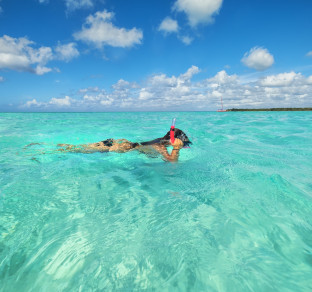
(179, 134)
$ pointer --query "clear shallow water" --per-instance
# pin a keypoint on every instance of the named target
(233, 215)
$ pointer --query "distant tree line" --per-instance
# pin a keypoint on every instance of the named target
(270, 109)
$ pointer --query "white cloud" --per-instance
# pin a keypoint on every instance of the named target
(40, 70)
(258, 58)
(222, 78)
(309, 54)
(33, 103)
(57, 103)
(187, 76)
(123, 85)
(186, 40)
(66, 52)
(198, 11)
(14, 62)
(20, 54)
(162, 92)
(282, 79)
(61, 102)
(72, 5)
(169, 25)
(78, 4)
(100, 31)
(108, 101)
(1, 79)
(41, 56)
(145, 94)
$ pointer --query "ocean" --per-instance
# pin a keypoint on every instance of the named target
(234, 214)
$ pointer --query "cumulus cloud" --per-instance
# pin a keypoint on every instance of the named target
(258, 58)
(163, 92)
(169, 25)
(222, 78)
(40, 70)
(20, 54)
(66, 52)
(187, 76)
(52, 103)
(61, 102)
(33, 103)
(100, 31)
(198, 11)
(282, 79)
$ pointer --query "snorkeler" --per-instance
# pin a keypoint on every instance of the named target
(175, 138)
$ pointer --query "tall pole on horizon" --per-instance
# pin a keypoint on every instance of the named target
(221, 110)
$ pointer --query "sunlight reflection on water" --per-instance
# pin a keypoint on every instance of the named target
(233, 215)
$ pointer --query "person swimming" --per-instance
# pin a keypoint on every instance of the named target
(177, 140)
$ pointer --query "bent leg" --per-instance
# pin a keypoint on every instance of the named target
(122, 146)
(83, 148)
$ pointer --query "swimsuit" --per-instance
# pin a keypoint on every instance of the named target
(110, 142)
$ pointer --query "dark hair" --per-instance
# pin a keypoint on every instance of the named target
(179, 134)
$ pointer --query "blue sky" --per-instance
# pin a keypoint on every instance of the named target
(117, 55)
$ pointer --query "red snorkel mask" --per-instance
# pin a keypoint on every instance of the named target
(172, 130)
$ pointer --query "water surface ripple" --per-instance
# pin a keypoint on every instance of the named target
(233, 215)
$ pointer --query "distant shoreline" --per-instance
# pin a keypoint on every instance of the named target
(269, 109)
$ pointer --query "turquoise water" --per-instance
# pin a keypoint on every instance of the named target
(233, 215)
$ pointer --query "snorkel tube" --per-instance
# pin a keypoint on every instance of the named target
(172, 130)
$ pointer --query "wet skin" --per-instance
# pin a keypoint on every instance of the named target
(123, 145)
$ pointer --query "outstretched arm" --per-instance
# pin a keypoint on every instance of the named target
(174, 156)
(120, 146)
(83, 148)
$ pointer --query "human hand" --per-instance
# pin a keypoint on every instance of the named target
(177, 144)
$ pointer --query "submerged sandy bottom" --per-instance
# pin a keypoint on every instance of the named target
(233, 215)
